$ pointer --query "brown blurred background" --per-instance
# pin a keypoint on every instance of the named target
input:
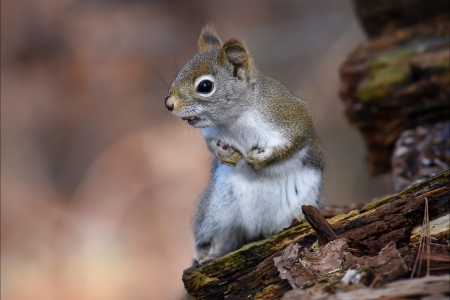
(98, 180)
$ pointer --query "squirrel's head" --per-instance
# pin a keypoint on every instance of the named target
(211, 88)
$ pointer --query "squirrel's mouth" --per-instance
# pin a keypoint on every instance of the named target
(191, 120)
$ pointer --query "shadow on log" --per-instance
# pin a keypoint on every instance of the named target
(250, 273)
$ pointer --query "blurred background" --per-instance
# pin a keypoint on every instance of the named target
(98, 180)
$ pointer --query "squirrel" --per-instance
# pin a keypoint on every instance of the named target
(267, 159)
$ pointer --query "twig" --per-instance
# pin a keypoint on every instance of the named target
(428, 236)
(433, 192)
(424, 244)
(325, 233)
(374, 281)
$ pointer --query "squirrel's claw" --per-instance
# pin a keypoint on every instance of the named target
(257, 158)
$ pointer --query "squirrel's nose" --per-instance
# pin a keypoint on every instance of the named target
(169, 105)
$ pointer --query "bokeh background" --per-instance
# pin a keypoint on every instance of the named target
(98, 180)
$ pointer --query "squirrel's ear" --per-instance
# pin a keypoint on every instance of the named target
(234, 52)
(208, 39)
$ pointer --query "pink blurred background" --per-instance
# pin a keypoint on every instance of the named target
(98, 180)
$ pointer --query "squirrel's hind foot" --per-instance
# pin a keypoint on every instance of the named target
(202, 260)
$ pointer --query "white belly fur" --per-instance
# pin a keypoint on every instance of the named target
(261, 204)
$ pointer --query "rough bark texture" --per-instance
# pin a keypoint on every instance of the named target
(397, 82)
(383, 16)
(250, 273)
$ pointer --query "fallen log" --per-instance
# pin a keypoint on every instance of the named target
(250, 272)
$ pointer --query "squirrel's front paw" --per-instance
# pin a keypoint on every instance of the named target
(226, 154)
(257, 157)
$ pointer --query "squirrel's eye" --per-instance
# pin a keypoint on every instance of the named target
(205, 86)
